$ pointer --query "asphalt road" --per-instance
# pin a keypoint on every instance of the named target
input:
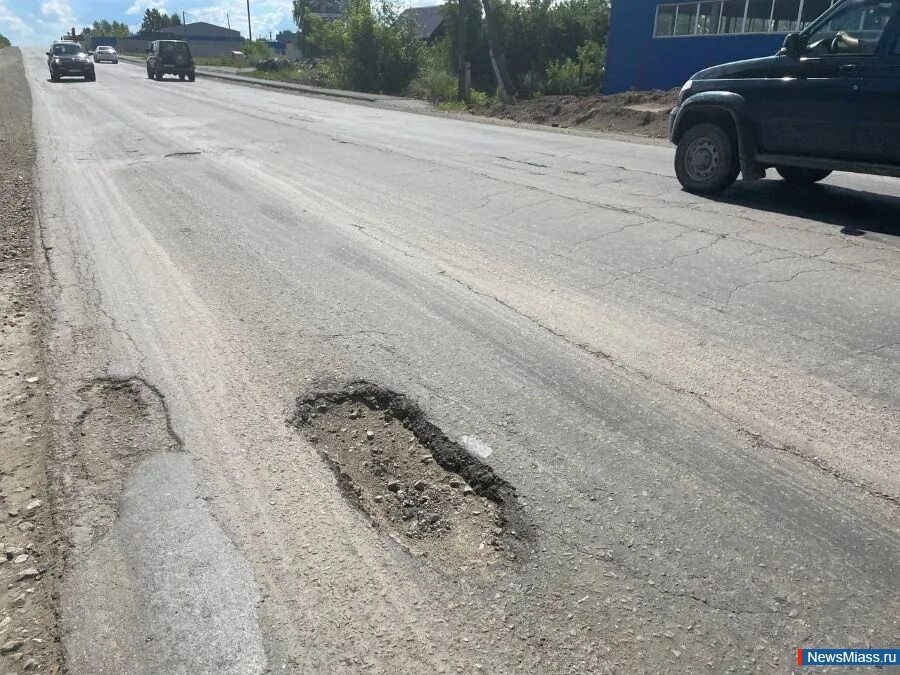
(696, 399)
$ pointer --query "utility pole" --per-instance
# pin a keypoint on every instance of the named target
(183, 20)
(228, 19)
(249, 25)
(462, 7)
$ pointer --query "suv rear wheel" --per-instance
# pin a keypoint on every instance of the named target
(706, 160)
(800, 176)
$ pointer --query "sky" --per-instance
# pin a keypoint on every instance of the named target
(38, 22)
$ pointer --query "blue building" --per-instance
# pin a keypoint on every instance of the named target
(656, 44)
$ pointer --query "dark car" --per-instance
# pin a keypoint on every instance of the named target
(170, 57)
(829, 100)
(69, 59)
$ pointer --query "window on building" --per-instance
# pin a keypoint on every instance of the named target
(759, 16)
(708, 18)
(733, 16)
(665, 20)
(812, 10)
(784, 15)
(713, 17)
(686, 19)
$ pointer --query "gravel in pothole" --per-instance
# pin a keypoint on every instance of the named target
(384, 470)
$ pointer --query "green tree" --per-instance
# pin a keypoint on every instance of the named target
(367, 49)
(533, 35)
(104, 28)
(154, 20)
(4, 42)
(306, 23)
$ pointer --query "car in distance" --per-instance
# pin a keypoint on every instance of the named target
(69, 59)
(170, 57)
(827, 101)
(105, 53)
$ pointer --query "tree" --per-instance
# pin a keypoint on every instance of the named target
(304, 19)
(104, 28)
(366, 49)
(532, 35)
(154, 20)
(4, 42)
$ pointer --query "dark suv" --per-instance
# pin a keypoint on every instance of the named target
(170, 57)
(829, 100)
(68, 59)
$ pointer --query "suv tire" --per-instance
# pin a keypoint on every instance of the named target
(799, 176)
(191, 76)
(706, 160)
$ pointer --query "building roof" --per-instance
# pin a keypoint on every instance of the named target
(201, 29)
(428, 19)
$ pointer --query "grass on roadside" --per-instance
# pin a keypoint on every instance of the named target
(225, 61)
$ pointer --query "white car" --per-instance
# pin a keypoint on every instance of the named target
(104, 53)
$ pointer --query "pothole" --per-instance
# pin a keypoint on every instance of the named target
(416, 486)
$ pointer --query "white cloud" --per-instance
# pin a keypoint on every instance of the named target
(140, 6)
(57, 12)
(267, 15)
(7, 18)
(14, 27)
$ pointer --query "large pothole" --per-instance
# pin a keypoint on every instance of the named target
(416, 485)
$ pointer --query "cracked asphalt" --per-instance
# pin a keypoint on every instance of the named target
(696, 399)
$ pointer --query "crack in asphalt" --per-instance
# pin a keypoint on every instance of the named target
(667, 264)
(99, 306)
(598, 237)
(756, 439)
(333, 336)
(740, 287)
(523, 161)
(366, 232)
(635, 573)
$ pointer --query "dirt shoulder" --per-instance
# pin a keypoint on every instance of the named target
(28, 641)
(641, 113)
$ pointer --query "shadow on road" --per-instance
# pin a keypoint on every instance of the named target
(854, 211)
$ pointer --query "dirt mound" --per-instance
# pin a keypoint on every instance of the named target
(414, 484)
(643, 113)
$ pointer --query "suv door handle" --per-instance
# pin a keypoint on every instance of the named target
(848, 67)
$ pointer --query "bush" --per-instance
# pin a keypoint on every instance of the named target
(479, 97)
(563, 77)
(536, 36)
(436, 81)
(255, 51)
(369, 50)
(579, 76)
(3, 42)
(435, 85)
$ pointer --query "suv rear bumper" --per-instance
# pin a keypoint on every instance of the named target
(177, 70)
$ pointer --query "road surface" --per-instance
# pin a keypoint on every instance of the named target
(696, 399)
